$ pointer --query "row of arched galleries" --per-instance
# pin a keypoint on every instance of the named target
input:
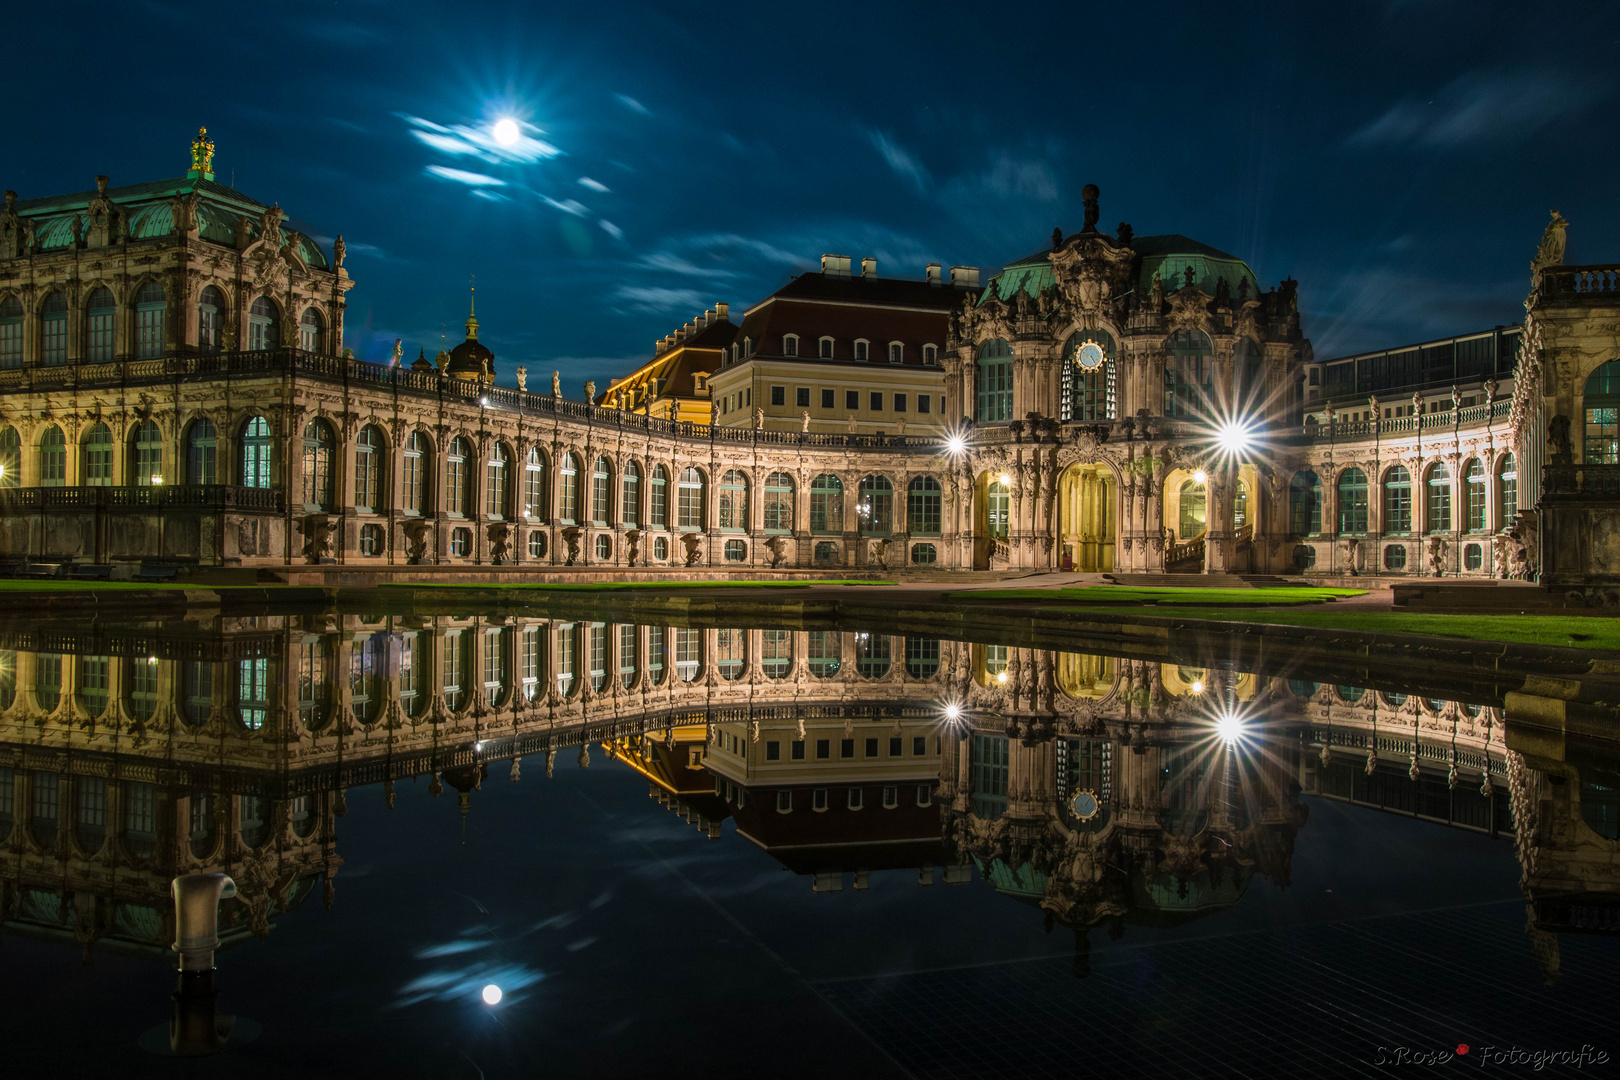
(1479, 497)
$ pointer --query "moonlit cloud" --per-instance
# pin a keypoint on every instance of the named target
(594, 185)
(479, 141)
(1480, 108)
(670, 263)
(901, 160)
(611, 229)
(632, 104)
(461, 176)
(645, 298)
(567, 206)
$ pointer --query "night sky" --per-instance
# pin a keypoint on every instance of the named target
(1398, 159)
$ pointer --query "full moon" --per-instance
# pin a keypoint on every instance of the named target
(492, 994)
(507, 132)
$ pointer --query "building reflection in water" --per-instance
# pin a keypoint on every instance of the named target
(1104, 791)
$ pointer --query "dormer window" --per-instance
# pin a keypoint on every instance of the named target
(897, 352)
(861, 349)
(702, 382)
(931, 355)
(826, 348)
(790, 345)
(748, 347)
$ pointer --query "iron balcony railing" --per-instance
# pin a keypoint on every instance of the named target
(137, 499)
(1580, 480)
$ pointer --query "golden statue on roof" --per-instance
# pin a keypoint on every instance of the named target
(202, 153)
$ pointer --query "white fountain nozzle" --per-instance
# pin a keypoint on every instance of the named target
(196, 917)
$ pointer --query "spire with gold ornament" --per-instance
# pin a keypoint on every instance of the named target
(471, 360)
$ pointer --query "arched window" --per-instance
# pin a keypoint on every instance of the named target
(567, 658)
(1439, 498)
(1240, 505)
(458, 478)
(149, 321)
(733, 501)
(264, 324)
(1194, 509)
(690, 501)
(456, 669)
(311, 331)
(923, 497)
(995, 382)
(98, 457)
(314, 691)
(100, 326)
(52, 458)
(1248, 368)
(368, 469)
(1507, 491)
(210, 319)
(202, 452)
(11, 333)
(568, 489)
(997, 509)
(658, 499)
(196, 691)
(778, 503)
(1601, 400)
(368, 675)
(496, 474)
(1475, 493)
(630, 496)
(146, 458)
(1305, 504)
(1188, 373)
(1088, 390)
(872, 655)
(776, 653)
(874, 506)
(53, 335)
(418, 465)
(827, 505)
(256, 453)
(497, 668)
(534, 485)
(688, 653)
(141, 687)
(1353, 502)
(92, 680)
(731, 652)
(1397, 501)
(629, 655)
(10, 457)
(601, 490)
(317, 471)
(415, 668)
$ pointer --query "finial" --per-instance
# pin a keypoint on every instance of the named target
(202, 155)
(472, 310)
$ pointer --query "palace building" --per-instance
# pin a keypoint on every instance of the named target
(175, 395)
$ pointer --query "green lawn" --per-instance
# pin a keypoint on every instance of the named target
(1124, 594)
(620, 586)
(37, 585)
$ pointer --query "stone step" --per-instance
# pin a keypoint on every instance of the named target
(1184, 581)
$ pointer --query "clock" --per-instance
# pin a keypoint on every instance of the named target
(1083, 805)
(1090, 356)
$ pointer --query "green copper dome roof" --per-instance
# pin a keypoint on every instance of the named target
(1168, 256)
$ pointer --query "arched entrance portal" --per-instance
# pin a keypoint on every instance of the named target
(992, 521)
(1088, 519)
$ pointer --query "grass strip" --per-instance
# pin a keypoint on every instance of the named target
(1166, 596)
(619, 586)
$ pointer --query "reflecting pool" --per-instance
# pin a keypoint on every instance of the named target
(474, 845)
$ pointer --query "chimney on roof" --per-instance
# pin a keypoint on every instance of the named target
(868, 268)
(932, 271)
(702, 320)
(689, 328)
(835, 265)
(722, 312)
(709, 318)
(680, 335)
(965, 275)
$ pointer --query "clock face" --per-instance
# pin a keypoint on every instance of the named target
(1084, 805)
(1090, 357)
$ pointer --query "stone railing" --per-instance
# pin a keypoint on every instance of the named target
(1581, 283)
(1602, 480)
(1186, 552)
(1347, 431)
(155, 497)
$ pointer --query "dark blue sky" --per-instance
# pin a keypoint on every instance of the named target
(1398, 158)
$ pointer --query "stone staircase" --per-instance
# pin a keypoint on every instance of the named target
(1184, 581)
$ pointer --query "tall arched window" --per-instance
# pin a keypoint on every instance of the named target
(1353, 502)
(997, 509)
(778, 508)
(1507, 490)
(1248, 368)
(1601, 400)
(1189, 372)
(146, 457)
(496, 474)
(1240, 505)
(497, 668)
(1397, 501)
(52, 458)
(256, 453)
(733, 501)
(1438, 497)
(264, 324)
(458, 478)
(601, 490)
(689, 504)
(368, 676)
(456, 669)
(567, 658)
(1474, 492)
(10, 457)
(923, 497)
(311, 331)
(534, 485)
(568, 489)
(202, 452)
(100, 326)
(1305, 504)
(368, 469)
(150, 333)
(53, 311)
(210, 319)
(317, 472)
(1194, 509)
(98, 457)
(418, 465)
(658, 499)
(994, 382)
(874, 506)
(11, 333)
(827, 505)
(1087, 390)
(630, 496)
